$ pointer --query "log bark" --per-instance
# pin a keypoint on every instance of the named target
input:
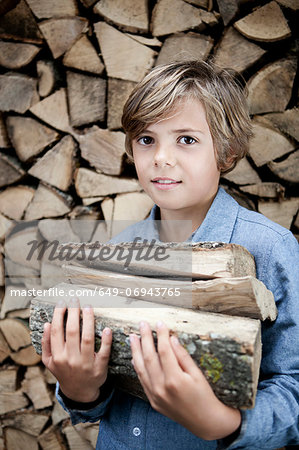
(226, 348)
(203, 260)
(28, 136)
(86, 98)
(103, 149)
(242, 296)
(265, 24)
(83, 56)
(57, 165)
(69, 27)
(134, 59)
(181, 47)
(127, 14)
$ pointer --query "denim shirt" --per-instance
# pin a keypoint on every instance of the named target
(130, 423)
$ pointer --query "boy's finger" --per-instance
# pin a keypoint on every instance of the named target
(184, 359)
(167, 357)
(103, 355)
(87, 339)
(138, 361)
(150, 356)
(72, 329)
(46, 344)
(57, 328)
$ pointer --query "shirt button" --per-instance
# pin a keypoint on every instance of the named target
(136, 431)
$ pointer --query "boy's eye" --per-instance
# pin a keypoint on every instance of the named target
(145, 140)
(187, 140)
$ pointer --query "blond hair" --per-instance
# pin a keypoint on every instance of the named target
(217, 89)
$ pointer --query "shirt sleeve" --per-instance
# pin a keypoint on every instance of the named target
(274, 421)
(86, 412)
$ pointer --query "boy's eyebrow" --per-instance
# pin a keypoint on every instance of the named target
(182, 130)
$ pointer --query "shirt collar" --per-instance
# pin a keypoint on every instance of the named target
(219, 222)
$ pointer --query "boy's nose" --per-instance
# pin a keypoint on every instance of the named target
(164, 156)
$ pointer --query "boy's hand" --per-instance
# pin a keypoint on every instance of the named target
(177, 388)
(80, 371)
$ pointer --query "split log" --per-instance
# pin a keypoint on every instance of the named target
(267, 189)
(172, 16)
(47, 202)
(242, 296)
(226, 348)
(201, 260)
(26, 421)
(291, 4)
(26, 356)
(14, 201)
(18, 92)
(16, 333)
(209, 18)
(118, 92)
(16, 55)
(83, 56)
(207, 4)
(2, 273)
(42, 9)
(51, 439)
(10, 170)
(17, 246)
(88, 431)
(92, 200)
(91, 184)
(74, 440)
(69, 27)
(19, 24)
(4, 141)
(243, 173)
(58, 413)
(8, 379)
(288, 169)
(57, 229)
(14, 437)
(86, 98)
(88, 3)
(134, 59)
(35, 387)
(54, 111)
(270, 89)
(183, 47)
(267, 144)
(12, 401)
(228, 9)
(103, 149)
(28, 136)
(287, 122)
(282, 213)
(4, 349)
(6, 226)
(46, 77)
(18, 274)
(13, 302)
(236, 52)
(100, 234)
(57, 165)
(265, 24)
(127, 14)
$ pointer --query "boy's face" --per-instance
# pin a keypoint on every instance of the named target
(175, 161)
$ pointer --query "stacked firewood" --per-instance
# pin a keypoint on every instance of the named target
(66, 69)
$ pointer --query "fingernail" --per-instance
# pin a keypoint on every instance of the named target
(175, 340)
(159, 324)
(142, 324)
(87, 307)
(107, 331)
(74, 301)
(132, 337)
(60, 303)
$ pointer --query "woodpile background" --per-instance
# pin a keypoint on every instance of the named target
(66, 69)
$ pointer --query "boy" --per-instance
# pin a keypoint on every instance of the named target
(186, 123)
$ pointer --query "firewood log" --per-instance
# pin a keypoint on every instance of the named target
(4, 141)
(74, 439)
(27, 421)
(5, 226)
(18, 92)
(287, 122)
(19, 24)
(28, 136)
(267, 189)
(69, 27)
(243, 173)
(127, 14)
(13, 437)
(15, 56)
(48, 202)
(226, 348)
(118, 92)
(42, 9)
(287, 169)
(46, 77)
(83, 56)
(14, 201)
(51, 439)
(10, 170)
(265, 24)
(35, 388)
(282, 212)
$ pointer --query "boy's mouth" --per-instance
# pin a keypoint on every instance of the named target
(165, 181)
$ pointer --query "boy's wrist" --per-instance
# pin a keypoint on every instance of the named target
(102, 394)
